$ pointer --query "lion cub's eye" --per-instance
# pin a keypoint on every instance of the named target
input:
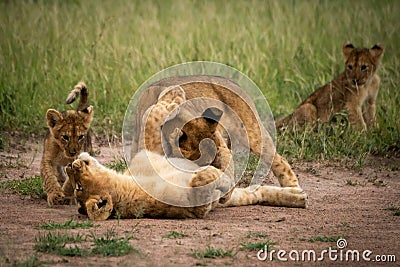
(86, 162)
(363, 68)
(81, 137)
(65, 138)
(183, 137)
(79, 187)
(350, 67)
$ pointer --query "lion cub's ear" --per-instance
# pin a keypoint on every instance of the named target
(53, 117)
(376, 51)
(346, 49)
(212, 116)
(88, 112)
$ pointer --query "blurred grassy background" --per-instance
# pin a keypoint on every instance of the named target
(288, 48)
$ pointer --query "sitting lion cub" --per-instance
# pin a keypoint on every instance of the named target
(67, 137)
(102, 192)
(354, 90)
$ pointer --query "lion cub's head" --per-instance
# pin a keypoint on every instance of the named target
(187, 128)
(85, 175)
(361, 63)
(70, 129)
(195, 139)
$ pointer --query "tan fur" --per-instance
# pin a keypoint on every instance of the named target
(292, 197)
(354, 90)
(67, 137)
(103, 193)
(167, 104)
(199, 129)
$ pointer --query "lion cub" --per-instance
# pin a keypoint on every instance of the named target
(102, 193)
(354, 90)
(216, 98)
(67, 137)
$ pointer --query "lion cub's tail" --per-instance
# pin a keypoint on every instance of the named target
(81, 89)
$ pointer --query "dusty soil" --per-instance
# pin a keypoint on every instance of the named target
(344, 201)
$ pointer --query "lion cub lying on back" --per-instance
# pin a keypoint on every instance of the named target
(102, 192)
(354, 90)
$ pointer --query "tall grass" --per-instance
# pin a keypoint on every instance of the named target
(289, 48)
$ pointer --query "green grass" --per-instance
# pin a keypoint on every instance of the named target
(395, 210)
(256, 235)
(60, 244)
(31, 186)
(70, 224)
(174, 235)
(119, 165)
(65, 244)
(111, 246)
(32, 261)
(211, 252)
(261, 243)
(288, 48)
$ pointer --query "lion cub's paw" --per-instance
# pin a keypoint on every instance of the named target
(299, 196)
(57, 198)
(204, 177)
(99, 209)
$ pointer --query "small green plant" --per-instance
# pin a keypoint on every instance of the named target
(174, 235)
(70, 224)
(321, 239)
(32, 261)
(111, 246)
(393, 167)
(60, 244)
(64, 244)
(140, 210)
(351, 182)
(360, 161)
(258, 245)
(257, 235)
(31, 186)
(212, 253)
(395, 210)
(118, 166)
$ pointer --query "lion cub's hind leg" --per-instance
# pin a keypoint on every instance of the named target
(305, 113)
(283, 171)
(268, 195)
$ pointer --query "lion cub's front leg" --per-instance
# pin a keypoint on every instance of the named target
(50, 174)
(99, 207)
(356, 117)
(224, 162)
(215, 182)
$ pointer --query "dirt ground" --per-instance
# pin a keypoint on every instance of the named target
(344, 201)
